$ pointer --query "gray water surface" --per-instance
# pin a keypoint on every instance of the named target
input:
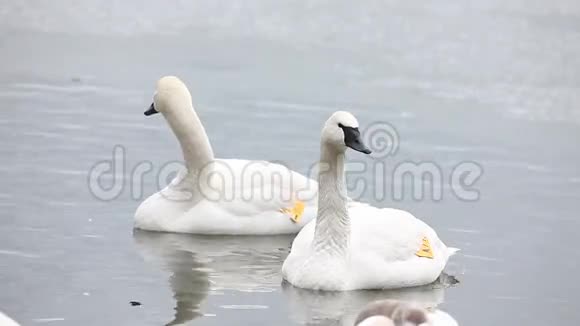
(495, 83)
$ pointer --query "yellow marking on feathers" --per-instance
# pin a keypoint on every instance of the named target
(294, 212)
(425, 251)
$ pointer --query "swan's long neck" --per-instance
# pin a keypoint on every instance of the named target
(187, 127)
(332, 233)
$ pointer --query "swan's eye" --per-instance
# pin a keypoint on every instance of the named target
(341, 126)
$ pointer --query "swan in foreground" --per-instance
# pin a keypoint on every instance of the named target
(398, 313)
(354, 246)
(219, 196)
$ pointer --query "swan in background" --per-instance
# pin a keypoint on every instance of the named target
(357, 246)
(221, 196)
(398, 313)
(7, 321)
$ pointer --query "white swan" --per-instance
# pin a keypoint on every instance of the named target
(215, 196)
(356, 246)
(398, 313)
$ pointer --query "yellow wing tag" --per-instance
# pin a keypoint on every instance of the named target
(294, 212)
(425, 250)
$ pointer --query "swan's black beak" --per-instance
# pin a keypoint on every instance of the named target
(353, 139)
(151, 110)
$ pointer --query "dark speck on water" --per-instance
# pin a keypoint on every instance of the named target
(135, 303)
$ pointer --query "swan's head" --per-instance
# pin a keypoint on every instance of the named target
(170, 93)
(341, 131)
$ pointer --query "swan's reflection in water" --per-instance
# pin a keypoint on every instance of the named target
(189, 283)
(341, 308)
(207, 265)
(202, 265)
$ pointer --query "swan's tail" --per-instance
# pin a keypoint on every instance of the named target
(452, 251)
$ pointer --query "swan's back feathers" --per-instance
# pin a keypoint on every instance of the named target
(261, 184)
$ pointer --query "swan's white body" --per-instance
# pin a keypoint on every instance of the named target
(213, 196)
(354, 246)
(223, 208)
(380, 254)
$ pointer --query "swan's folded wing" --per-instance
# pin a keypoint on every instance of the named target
(395, 235)
(252, 187)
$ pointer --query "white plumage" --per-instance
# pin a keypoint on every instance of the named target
(215, 196)
(357, 246)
